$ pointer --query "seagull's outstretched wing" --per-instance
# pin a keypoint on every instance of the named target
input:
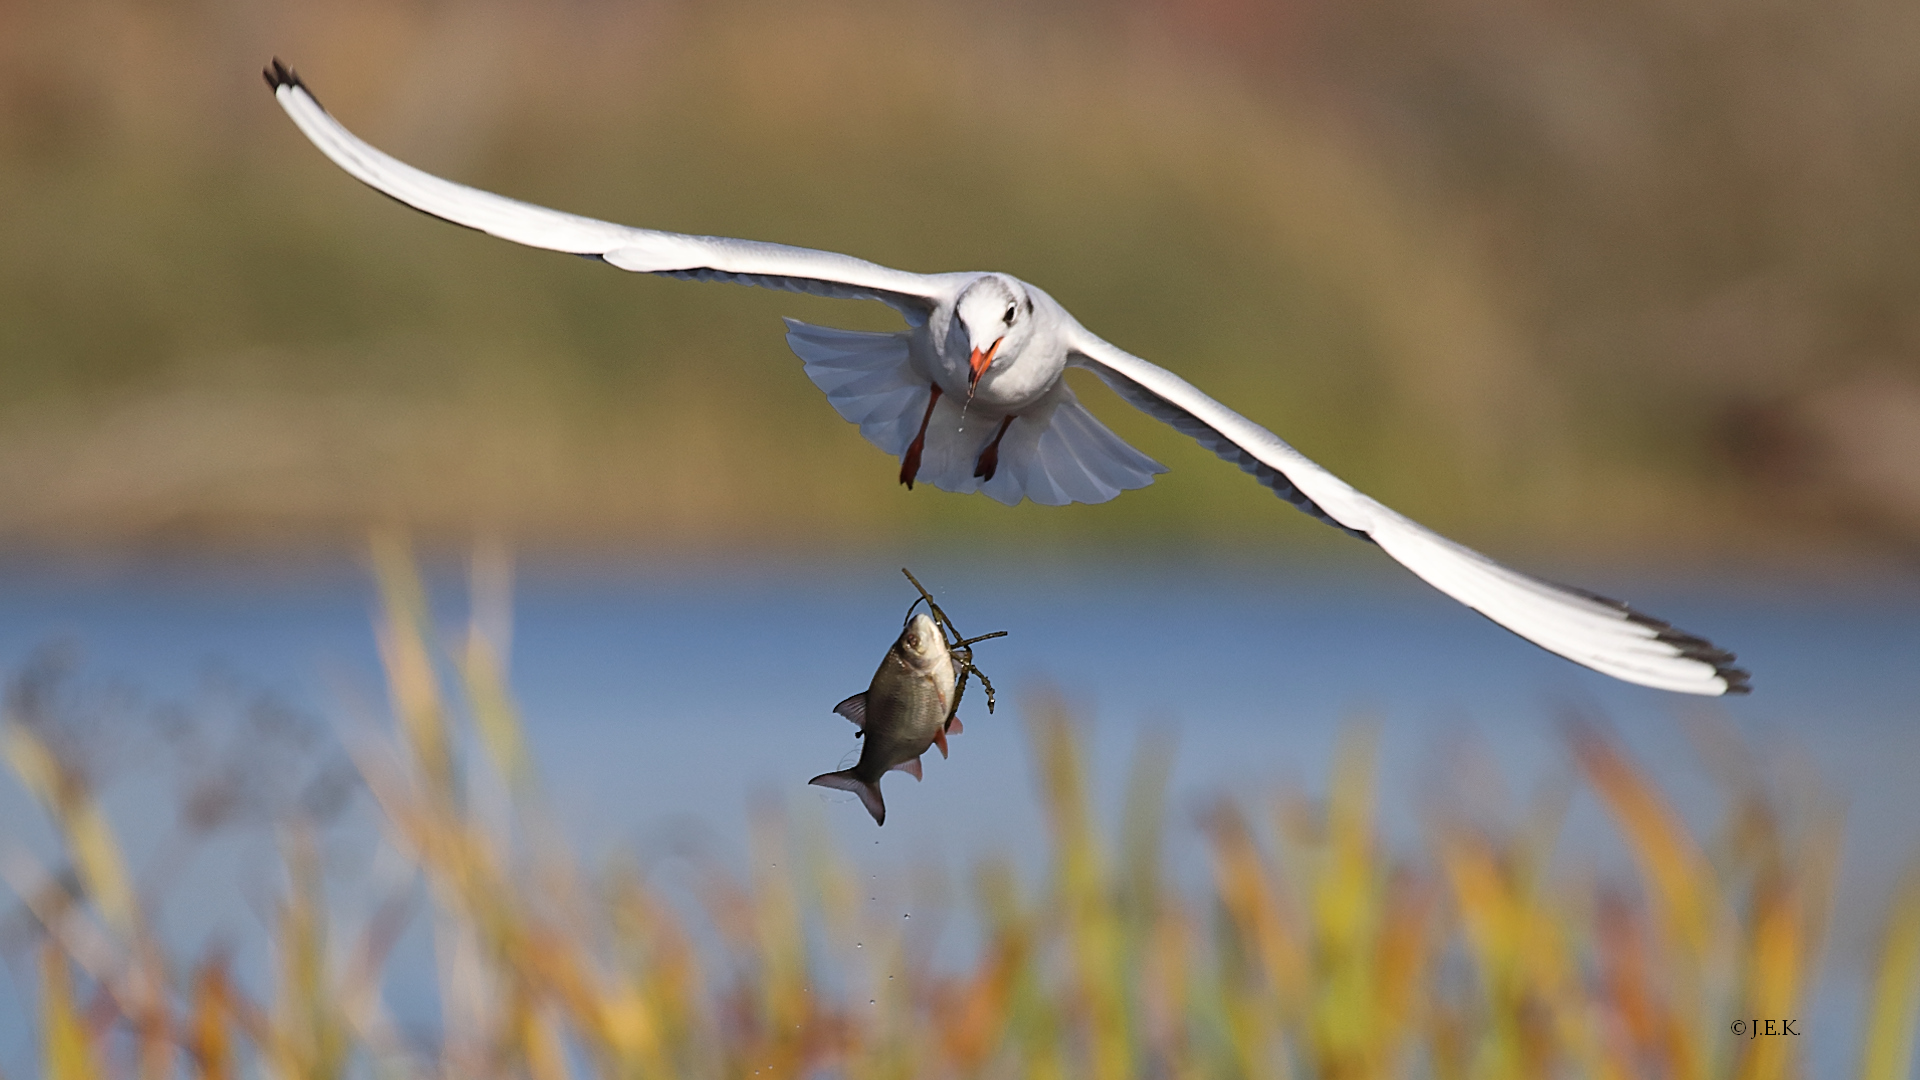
(706, 258)
(1603, 634)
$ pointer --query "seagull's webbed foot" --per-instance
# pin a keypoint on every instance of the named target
(989, 462)
(910, 461)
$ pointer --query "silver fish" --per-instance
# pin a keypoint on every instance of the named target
(961, 649)
(906, 709)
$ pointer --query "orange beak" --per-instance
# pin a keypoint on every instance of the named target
(979, 362)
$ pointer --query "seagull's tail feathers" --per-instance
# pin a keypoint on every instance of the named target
(1053, 453)
(867, 378)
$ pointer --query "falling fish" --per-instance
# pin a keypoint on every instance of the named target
(911, 704)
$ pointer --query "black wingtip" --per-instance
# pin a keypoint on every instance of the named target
(278, 75)
(1692, 646)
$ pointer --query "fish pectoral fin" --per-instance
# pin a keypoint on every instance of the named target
(911, 767)
(940, 740)
(954, 726)
(854, 709)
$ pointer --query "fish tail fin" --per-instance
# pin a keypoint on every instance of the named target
(869, 793)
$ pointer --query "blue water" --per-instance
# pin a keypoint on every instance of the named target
(662, 701)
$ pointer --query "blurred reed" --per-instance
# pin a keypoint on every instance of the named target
(1314, 951)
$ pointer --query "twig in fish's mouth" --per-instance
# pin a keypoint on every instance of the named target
(960, 648)
(938, 615)
(969, 669)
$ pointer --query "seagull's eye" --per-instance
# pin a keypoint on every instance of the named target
(1011, 308)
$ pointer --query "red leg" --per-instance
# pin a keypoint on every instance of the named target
(910, 464)
(989, 462)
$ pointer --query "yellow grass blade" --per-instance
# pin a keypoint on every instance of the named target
(545, 1051)
(1887, 1051)
(404, 634)
(67, 1049)
(307, 1036)
(1348, 1031)
(209, 1025)
(484, 662)
(1142, 830)
(88, 836)
(495, 716)
(1085, 895)
(1258, 911)
(1670, 861)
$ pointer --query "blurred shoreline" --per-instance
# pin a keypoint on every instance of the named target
(1823, 573)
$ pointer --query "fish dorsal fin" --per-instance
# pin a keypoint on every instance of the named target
(940, 740)
(911, 767)
(854, 709)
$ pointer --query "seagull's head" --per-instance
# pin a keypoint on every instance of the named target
(997, 315)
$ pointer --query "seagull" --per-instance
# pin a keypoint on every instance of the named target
(971, 397)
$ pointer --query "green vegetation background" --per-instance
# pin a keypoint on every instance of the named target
(1588, 278)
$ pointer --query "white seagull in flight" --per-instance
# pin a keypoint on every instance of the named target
(970, 397)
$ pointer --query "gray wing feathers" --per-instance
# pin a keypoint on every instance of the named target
(913, 308)
(1206, 435)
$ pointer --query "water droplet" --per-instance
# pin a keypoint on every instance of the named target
(858, 945)
(871, 1001)
(904, 916)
